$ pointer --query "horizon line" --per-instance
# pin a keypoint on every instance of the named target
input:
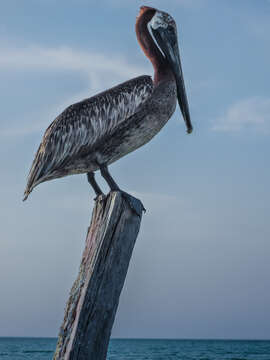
(148, 338)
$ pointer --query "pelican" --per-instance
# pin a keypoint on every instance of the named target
(95, 132)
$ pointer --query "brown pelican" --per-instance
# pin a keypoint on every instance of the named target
(91, 134)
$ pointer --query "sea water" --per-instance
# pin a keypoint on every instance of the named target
(145, 349)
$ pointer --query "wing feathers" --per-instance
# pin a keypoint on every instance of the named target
(80, 127)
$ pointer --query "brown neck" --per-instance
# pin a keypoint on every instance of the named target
(161, 67)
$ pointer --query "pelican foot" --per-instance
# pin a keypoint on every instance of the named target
(100, 197)
(135, 204)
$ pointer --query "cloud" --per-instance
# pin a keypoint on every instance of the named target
(101, 70)
(258, 26)
(159, 3)
(65, 58)
(252, 113)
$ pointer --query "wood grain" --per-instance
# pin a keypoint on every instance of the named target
(94, 297)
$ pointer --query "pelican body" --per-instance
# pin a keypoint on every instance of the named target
(91, 134)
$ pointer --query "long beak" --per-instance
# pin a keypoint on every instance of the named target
(169, 46)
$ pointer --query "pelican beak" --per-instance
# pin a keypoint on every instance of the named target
(167, 41)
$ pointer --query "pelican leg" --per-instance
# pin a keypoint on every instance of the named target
(134, 204)
(92, 181)
(107, 176)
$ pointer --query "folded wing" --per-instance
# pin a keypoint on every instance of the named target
(79, 128)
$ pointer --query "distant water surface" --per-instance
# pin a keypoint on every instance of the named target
(145, 349)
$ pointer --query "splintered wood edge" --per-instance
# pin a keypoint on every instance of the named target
(108, 212)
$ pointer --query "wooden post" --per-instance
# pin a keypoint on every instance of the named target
(94, 297)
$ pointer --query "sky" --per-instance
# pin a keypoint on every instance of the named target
(201, 264)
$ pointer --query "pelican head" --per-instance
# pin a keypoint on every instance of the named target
(163, 29)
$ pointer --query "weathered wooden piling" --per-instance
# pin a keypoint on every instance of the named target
(94, 297)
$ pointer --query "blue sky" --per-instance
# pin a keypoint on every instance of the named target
(201, 266)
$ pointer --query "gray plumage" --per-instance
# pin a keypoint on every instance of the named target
(98, 130)
(93, 133)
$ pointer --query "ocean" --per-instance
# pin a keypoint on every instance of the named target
(145, 349)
